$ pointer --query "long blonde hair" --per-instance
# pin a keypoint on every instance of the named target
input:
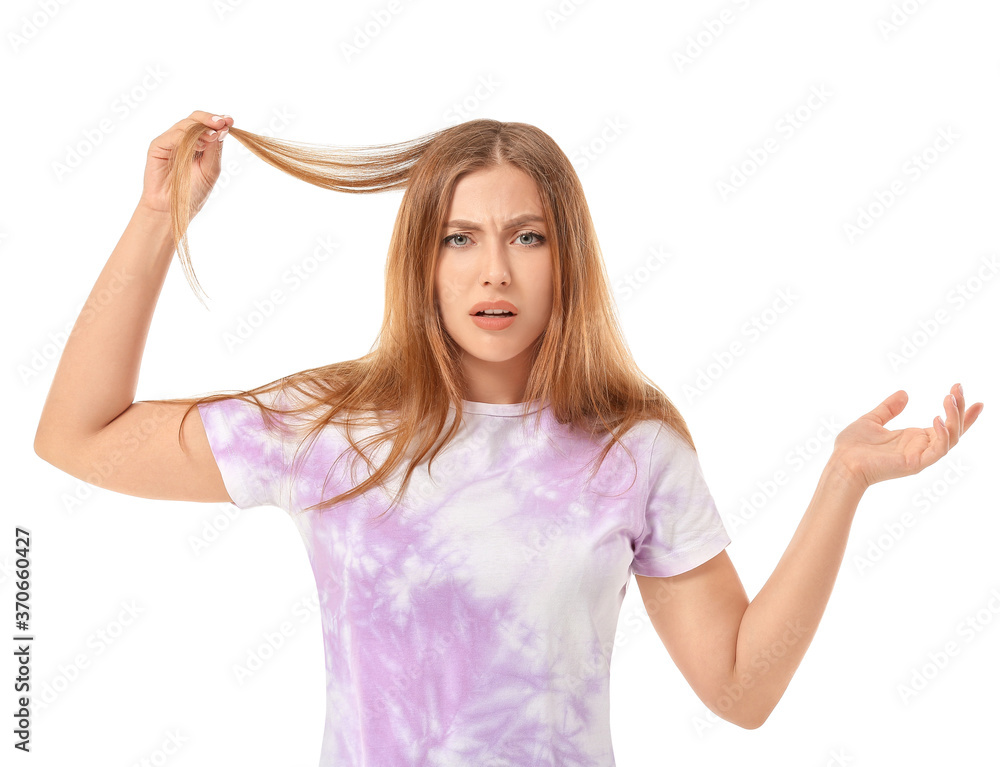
(582, 364)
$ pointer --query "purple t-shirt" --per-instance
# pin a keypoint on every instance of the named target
(474, 625)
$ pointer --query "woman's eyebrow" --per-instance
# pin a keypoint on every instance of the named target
(473, 226)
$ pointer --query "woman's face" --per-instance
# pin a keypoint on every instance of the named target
(495, 246)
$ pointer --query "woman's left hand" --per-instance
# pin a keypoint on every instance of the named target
(872, 453)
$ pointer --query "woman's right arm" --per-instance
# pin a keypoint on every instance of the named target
(90, 426)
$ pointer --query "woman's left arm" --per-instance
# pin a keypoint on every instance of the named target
(739, 657)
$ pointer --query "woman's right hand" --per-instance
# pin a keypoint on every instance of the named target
(205, 167)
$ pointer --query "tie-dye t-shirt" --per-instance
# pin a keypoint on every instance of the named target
(474, 624)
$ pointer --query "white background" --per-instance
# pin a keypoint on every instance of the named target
(652, 137)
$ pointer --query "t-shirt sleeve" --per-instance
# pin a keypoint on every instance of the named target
(682, 527)
(251, 456)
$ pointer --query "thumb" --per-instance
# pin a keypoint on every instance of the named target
(890, 407)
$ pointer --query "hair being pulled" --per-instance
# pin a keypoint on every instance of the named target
(358, 170)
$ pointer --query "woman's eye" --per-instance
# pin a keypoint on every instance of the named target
(539, 239)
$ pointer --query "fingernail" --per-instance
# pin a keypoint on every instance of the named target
(216, 119)
(954, 400)
(222, 136)
(961, 390)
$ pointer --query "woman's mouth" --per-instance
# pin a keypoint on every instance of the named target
(493, 321)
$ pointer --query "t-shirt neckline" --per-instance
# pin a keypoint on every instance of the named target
(502, 409)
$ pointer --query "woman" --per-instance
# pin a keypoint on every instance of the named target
(469, 603)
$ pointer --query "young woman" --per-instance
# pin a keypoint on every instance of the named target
(470, 579)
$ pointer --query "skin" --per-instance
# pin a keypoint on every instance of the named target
(495, 260)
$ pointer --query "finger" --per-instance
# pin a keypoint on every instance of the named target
(204, 119)
(213, 154)
(215, 139)
(211, 136)
(213, 120)
(960, 399)
(971, 415)
(938, 446)
(212, 124)
(169, 139)
(959, 395)
(953, 419)
(890, 407)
